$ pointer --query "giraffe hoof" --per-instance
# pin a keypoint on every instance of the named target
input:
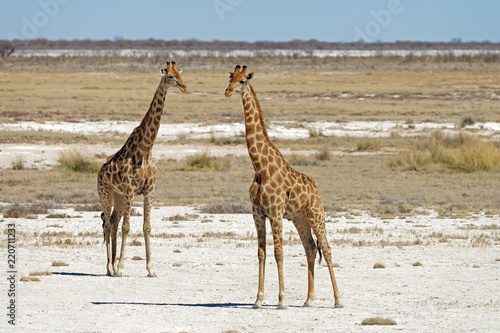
(119, 274)
(257, 306)
(339, 305)
(307, 305)
(152, 275)
(281, 307)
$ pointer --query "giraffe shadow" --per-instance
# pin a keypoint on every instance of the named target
(201, 305)
(197, 305)
(77, 274)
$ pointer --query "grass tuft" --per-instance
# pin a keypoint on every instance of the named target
(378, 321)
(18, 163)
(206, 162)
(29, 279)
(367, 144)
(78, 162)
(378, 265)
(59, 264)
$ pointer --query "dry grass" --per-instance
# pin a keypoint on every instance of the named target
(26, 210)
(18, 163)
(378, 265)
(417, 264)
(337, 90)
(76, 161)
(242, 208)
(29, 279)
(206, 162)
(40, 273)
(378, 321)
(104, 87)
(460, 152)
(58, 263)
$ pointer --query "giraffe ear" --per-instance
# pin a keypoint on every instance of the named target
(230, 75)
(180, 71)
(163, 71)
(249, 76)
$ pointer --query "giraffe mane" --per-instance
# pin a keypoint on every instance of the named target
(261, 117)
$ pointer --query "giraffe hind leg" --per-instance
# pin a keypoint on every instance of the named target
(317, 223)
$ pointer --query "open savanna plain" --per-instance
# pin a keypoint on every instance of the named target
(412, 216)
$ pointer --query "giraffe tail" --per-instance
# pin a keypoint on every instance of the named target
(102, 218)
(319, 251)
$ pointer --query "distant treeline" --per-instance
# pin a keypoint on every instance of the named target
(193, 44)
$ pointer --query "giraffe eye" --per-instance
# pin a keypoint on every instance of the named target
(242, 82)
(170, 77)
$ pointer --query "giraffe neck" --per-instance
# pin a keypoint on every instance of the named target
(150, 124)
(260, 147)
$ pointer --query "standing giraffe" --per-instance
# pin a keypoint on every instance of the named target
(132, 171)
(278, 191)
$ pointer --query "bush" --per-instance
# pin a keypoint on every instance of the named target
(77, 162)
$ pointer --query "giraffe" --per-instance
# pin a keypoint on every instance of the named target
(131, 171)
(278, 191)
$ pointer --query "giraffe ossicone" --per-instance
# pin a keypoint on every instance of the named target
(278, 191)
(131, 171)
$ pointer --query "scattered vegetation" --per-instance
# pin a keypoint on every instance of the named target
(26, 210)
(378, 321)
(378, 265)
(227, 209)
(417, 264)
(460, 152)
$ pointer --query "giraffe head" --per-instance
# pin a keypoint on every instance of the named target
(238, 81)
(173, 77)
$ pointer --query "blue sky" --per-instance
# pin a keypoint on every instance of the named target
(253, 20)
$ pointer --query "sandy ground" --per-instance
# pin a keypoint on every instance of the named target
(207, 276)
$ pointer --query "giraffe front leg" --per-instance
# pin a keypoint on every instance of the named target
(277, 228)
(127, 206)
(260, 225)
(304, 231)
(148, 204)
(115, 222)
